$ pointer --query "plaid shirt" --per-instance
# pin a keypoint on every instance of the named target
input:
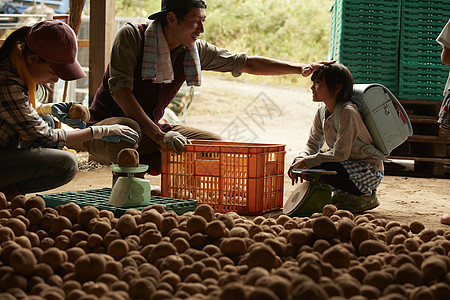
(18, 118)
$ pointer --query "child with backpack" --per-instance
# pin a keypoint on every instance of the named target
(358, 173)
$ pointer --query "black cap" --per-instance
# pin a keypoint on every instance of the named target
(170, 5)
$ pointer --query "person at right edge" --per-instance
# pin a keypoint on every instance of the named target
(444, 115)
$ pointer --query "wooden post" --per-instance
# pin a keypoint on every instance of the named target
(101, 37)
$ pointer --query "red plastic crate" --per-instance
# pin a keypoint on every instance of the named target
(246, 178)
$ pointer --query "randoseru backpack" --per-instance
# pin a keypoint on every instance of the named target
(383, 115)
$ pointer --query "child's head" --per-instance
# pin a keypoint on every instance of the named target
(337, 78)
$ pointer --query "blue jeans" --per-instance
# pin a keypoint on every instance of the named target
(36, 169)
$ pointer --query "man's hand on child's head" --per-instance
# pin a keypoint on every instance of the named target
(309, 69)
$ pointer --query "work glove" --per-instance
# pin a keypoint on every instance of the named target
(176, 141)
(114, 133)
(60, 111)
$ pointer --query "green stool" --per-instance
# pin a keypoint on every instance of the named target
(310, 196)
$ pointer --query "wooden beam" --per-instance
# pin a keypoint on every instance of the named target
(101, 37)
(423, 159)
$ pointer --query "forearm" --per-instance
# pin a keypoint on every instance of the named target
(132, 109)
(75, 137)
(258, 65)
(445, 55)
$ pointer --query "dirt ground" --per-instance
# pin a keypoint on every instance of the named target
(243, 111)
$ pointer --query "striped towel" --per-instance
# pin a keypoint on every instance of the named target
(156, 63)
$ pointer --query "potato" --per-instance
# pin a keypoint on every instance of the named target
(427, 234)
(59, 224)
(62, 242)
(324, 228)
(167, 224)
(308, 290)
(216, 229)
(392, 232)
(34, 215)
(358, 235)
(300, 237)
(206, 211)
(128, 158)
(18, 201)
(338, 256)
(54, 257)
(358, 272)
(126, 225)
(378, 279)
(344, 228)
(35, 201)
(371, 247)
(118, 249)
(90, 266)
(195, 224)
(233, 246)
(261, 255)
(161, 249)
(153, 216)
(18, 227)
(70, 210)
(47, 243)
(22, 260)
(434, 268)
(6, 234)
(141, 288)
(79, 111)
(3, 201)
(86, 214)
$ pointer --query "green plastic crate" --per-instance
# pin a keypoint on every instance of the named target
(99, 199)
(364, 36)
(422, 75)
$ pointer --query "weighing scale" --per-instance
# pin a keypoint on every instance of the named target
(130, 191)
(310, 196)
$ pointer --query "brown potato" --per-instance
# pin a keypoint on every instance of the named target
(195, 224)
(261, 255)
(128, 158)
(35, 201)
(79, 111)
(126, 225)
(324, 228)
(338, 256)
(370, 247)
(22, 260)
(205, 211)
(118, 249)
(90, 266)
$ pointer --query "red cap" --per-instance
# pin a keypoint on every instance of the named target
(56, 42)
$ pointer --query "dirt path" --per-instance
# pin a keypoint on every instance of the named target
(267, 113)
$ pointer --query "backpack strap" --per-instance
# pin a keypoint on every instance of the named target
(368, 148)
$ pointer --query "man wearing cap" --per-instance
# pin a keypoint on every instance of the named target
(30, 147)
(149, 63)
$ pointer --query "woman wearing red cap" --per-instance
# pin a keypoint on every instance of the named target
(31, 159)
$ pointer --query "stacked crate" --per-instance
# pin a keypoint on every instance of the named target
(364, 36)
(393, 42)
(422, 74)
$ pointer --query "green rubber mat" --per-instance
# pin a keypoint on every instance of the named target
(99, 199)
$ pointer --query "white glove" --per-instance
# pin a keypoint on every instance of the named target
(176, 141)
(114, 133)
(45, 109)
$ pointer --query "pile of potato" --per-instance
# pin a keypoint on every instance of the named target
(83, 253)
